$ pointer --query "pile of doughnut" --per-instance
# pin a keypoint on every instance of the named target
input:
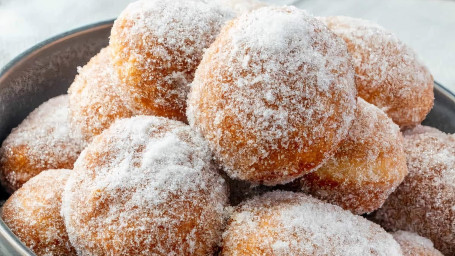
(244, 129)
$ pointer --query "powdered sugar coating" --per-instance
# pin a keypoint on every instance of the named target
(94, 101)
(44, 140)
(33, 214)
(388, 73)
(415, 245)
(157, 45)
(286, 223)
(367, 167)
(420, 129)
(273, 95)
(145, 186)
(239, 6)
(425, 202)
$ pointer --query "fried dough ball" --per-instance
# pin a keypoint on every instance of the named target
(274, 95)
(368, 166)
(424, 202)
(33, 214)
(94, 101)
(42, 141)
(286, 223)
(388, 73)
(414, 245)
(156, 47)
(145, 186)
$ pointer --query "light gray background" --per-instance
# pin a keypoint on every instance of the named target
(428, 26)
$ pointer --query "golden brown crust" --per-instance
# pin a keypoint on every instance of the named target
(367, 167)
(273, 109)
(388, 73)
(94, 100)
(285, 223)
(44, 140)
(33, 214)
(424, 202)
(145, 186)
(156, 47)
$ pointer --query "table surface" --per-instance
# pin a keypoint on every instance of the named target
(428, 26)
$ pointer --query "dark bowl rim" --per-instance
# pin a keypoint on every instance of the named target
(4, 230)
(52, 40)
(72, 33)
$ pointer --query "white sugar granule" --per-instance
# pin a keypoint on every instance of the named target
(145, 186)
(271, 75)
(286, 223)
(424, 202)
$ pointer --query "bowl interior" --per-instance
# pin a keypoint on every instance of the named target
(42, 72)
(45, 71)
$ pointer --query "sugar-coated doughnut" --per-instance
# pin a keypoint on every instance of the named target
(414, 245)
(425, 202)
(156, 47)
(94, 100)
(274, 95)
(145, 186)
(33, 214)
(367, 167)
(44, 140)
(287, 223)
(388, 73)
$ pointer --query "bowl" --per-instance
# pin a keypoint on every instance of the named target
(40, 73)
(47, 69)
